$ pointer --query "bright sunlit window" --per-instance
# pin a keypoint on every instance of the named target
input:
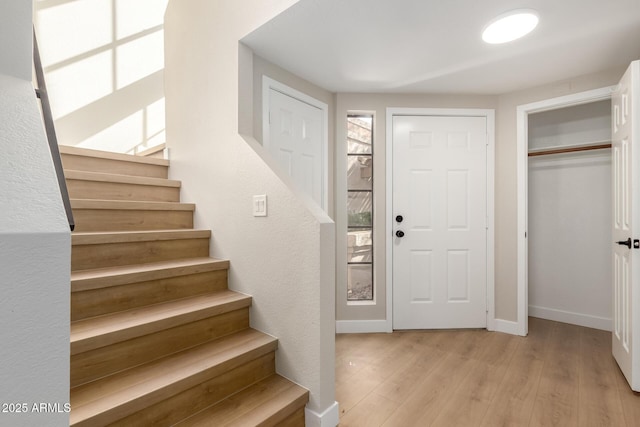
(510, 26)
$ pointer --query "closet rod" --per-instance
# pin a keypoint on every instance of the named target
(569, 149)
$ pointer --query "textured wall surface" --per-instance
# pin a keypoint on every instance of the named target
(15, 57)
(34, 245)
(285, 260)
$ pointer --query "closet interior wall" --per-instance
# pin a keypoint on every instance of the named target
(569, 217)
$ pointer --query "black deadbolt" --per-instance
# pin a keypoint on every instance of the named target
(399, 233)
(399, 218)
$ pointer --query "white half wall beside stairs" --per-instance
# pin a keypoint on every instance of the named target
(34, 242)
(286, 260)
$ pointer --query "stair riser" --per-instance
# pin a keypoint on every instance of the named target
(288, 415)
(81, 189)
(107, 300)
(97, 363)
(94, 164)
(182, 405)
(294, 420)
(131, 220)
(85, 257)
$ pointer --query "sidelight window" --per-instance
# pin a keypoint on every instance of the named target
(360, 208)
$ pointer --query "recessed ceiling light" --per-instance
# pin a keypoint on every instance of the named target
(510, 26)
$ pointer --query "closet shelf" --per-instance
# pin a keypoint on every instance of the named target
(570, 148)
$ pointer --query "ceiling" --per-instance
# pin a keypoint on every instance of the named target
(435, 46)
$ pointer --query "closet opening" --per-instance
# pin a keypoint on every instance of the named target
(569, 199)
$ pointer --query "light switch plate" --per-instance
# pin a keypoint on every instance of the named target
(260, 205)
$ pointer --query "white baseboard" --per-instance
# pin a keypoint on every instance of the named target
(361, 326)
(506, 327)
(579, 319)
(329, 418)
(381, 326)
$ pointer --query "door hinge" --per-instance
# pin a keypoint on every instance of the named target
(269, 117)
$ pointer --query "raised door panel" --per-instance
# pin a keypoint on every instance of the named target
(295, 141)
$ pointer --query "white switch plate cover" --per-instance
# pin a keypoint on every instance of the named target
(260, 205)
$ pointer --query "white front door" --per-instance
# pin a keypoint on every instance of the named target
(439, 222)
(295, 140)
(626, 224)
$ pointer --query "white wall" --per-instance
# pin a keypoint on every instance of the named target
(104, 62)
(569, 218)
(34, 241)
(569, 227)
(581, 124)
(285, 260)
(15, 60)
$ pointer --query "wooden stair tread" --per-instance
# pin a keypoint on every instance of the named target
(77, 151)
(96, 332)
(119, 178)
(116, 396)
(266, 402)
(130, 205)
(101, 237)
(84, 280)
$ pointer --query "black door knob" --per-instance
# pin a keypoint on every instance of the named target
(626, 243)
(399, 233)
(399, 218)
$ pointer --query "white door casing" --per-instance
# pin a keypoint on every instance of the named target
(295, 134)
(626, 224)
(440, 265)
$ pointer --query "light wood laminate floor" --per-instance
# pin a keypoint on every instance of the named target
(560, 375)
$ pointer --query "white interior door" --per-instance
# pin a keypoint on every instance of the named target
(626, 224)
(440, 191)
(295, 140)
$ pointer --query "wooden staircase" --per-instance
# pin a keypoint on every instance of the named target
(157, 339)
